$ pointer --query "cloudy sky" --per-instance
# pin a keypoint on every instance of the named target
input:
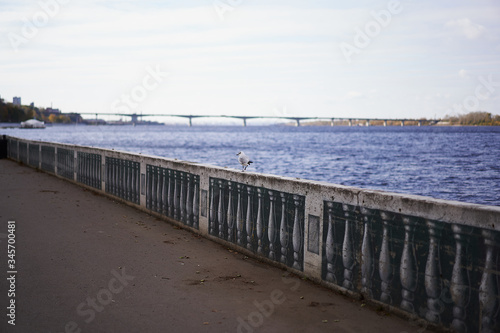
(376, 59)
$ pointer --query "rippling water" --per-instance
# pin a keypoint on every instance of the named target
(456, 163)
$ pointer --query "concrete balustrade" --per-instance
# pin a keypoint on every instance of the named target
(424, 258)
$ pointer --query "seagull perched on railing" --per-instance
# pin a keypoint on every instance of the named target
(244, 160)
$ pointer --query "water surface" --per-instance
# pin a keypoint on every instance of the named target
(456, 163)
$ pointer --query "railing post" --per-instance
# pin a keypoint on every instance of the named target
(488, 289)
(348, 249)
(460, 284)
(408, 269)
(433, 286)
(386, 268)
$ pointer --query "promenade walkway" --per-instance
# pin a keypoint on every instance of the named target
(86, 263)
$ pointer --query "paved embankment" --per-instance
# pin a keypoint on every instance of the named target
(86, 263)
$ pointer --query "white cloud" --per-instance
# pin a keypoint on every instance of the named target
(466, 27)
(463, 73)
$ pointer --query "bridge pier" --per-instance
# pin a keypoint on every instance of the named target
(350, 122)
(385, 123)
(402, 123)
(419, 123)
(297, 122)
(332, 122)
(190, 121)
(367, 122)
(244, 122)
(135, 118)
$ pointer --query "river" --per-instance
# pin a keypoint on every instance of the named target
(455, 163)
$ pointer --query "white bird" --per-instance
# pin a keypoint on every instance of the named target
(244, 160)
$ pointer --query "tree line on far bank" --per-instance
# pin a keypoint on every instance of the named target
(10, 113)
(478, 118)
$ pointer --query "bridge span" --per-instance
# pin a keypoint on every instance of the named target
(350, 121)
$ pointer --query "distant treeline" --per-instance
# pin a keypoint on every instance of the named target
(10, 113)
(474, 119)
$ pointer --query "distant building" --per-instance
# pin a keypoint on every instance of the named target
(17, 101)
(52, 111)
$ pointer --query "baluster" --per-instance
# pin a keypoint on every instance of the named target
(488, 289)
(90, 178)
(230, 214)
(249, 222)
(212, 208)
(84, 169)
(460, 284)
(148, 187)
(433, 274)
(189, 201)
(165, 192)
(297, 235)
(386, 269)
(330, 246)
(122, 179)
(121, 194)
(95, 170)
(408, 269)
(177, 196)
(115, 178)
(240, 226)
(347, 249)
(259, 221)
(196, 205)
(155, 187)
(118, 179)
(88, 170)
(127, 181)
(271, 227)
(283, 230)
(132, 182)
(171, 182)
(367, 260)
(108, 174)
(114, 172)
(221, 209)
(137, 182)
(159, 199)
(182, 198)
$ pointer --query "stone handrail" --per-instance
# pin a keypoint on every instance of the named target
(433, 260)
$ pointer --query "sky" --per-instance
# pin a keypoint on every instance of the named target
(373, 59)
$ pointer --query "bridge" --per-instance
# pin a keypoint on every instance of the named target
(135, 118)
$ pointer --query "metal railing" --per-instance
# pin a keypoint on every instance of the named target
(431, 259)
(66, 163)
(267, 222)
(173, 193)
(122, 179)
